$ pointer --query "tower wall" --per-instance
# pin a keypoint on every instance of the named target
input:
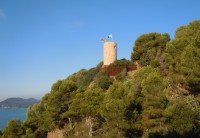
(110, 52)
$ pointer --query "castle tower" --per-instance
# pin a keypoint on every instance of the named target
(110, 53)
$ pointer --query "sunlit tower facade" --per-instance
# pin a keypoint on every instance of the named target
(110, 53)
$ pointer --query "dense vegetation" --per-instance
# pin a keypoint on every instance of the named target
(159, 100)
(122, 62)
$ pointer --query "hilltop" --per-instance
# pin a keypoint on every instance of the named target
(18, 103)
(159, 99)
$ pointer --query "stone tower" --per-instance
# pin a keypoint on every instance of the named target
(110, 53)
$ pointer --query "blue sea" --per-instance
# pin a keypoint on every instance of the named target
(7, 114)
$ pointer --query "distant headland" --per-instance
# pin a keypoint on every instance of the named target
(18, 103)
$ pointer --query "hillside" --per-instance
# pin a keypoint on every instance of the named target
(159, 99)
(18, 103)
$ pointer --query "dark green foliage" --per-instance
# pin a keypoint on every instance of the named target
(148, 88)
(182, 56)
(149, 47)
(122, 62)
(58, 102)
(1, 133)
(101, 80)
(182, 119)
(37, 122)
(104, 82)
(122, 75)
(89, 76)
(114, 105)
(154, 103)
(191, 70)
(13, 129)
(139, 76)
(56, 85)
(86, 104)
(155, 63)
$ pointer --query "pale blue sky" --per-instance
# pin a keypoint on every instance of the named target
(42, 41)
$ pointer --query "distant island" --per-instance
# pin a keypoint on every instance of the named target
(18, 103)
